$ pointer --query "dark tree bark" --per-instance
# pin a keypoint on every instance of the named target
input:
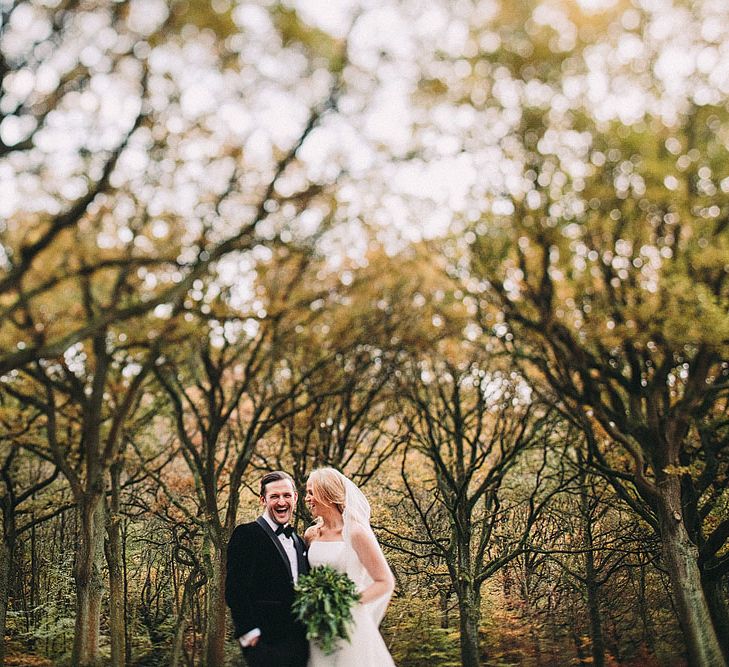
(115, 562)
(593, 601)
(680, 556)
(217, 610)
(469, 617)
(7, 546)
(89, 580)
(643, 609)
(716, 593)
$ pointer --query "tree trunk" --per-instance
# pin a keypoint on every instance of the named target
(113, 549)
(526, 597)
(178, 641)
(89, 582)
(596, 636)
(593, 603)
(6, 556)
(591, 584)
(577, 640)
(716, 599)
(649, 635)
(33, 592)
(216, 609)
(128, 613)
(444, 620)
(469, 612)
(681, 559)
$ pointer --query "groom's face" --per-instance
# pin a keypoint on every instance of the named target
(279, 500)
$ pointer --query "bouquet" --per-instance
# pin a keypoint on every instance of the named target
(323, 603)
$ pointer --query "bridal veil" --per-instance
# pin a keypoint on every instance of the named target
(357, 511)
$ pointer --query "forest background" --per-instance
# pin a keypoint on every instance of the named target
(472, 253)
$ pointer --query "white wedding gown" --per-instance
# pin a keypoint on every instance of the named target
(366, 647)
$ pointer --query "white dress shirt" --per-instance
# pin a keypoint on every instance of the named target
(288, 545)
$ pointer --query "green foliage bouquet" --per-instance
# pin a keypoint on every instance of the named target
(323, 603)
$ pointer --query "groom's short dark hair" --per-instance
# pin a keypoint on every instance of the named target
(275, 476)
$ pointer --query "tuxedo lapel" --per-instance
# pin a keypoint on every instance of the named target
(277, 543)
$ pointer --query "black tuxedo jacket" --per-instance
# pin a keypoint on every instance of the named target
(259, 585)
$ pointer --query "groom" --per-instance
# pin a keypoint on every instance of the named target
(265, 557)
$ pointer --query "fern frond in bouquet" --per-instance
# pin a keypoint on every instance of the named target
(323, 603)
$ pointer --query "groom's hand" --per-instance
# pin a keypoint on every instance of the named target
(250, 639)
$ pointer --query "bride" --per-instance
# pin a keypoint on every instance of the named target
(343, 539)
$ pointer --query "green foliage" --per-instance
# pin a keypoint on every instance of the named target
(412, 629)
(324, 601)
(429, 646)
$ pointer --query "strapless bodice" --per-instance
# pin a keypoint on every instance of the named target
(327, 553)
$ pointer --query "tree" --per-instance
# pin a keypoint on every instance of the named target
(704, 482)
(469, 426)
(20, 486)
(72, 397)
(598, 537)
(351, 421)
(114, 216)
(604, 287)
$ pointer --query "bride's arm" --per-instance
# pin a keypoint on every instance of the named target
(374, 562)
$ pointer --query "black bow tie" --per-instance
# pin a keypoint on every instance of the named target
(286, 530)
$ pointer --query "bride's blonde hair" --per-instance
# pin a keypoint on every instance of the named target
(327, 486)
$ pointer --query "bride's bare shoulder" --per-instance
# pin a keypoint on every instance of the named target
(310, 533)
